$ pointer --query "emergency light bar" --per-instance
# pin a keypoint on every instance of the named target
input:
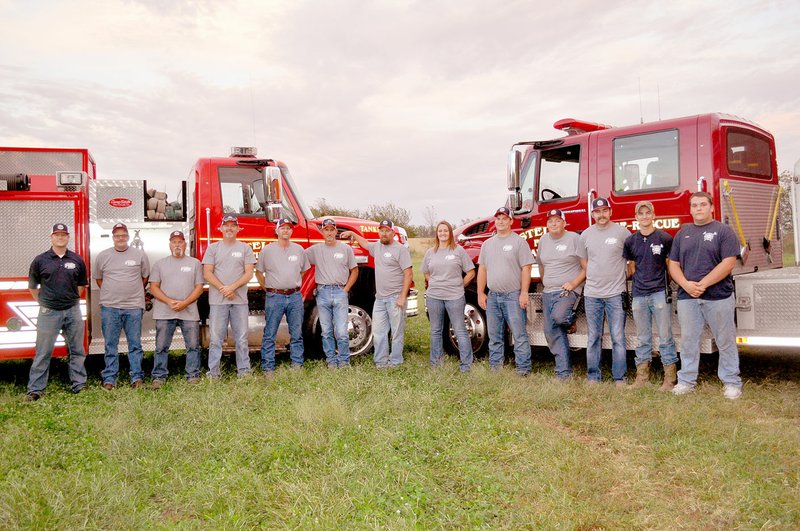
(70, 178)
(572, 126)
(238, 151)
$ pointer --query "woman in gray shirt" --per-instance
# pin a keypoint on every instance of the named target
(447, 269)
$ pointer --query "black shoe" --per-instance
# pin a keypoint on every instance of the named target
(32, 397)
(78, 390)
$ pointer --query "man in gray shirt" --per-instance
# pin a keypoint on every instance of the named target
(121, 273)
(336, 272)
(280, 269)
(562, 265)
(606, 277)
(392, 282)
(504, 265)
(176, 283)
(228, 267)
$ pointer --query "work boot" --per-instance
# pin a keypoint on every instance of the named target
(642, 375)
(670, 377)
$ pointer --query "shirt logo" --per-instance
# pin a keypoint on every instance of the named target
(387, 255)
(450, 257)
(338, 256)
(611, 241)
(186, 269)
(561, 247)
(131, 263)
(709, 236)
(236, 254)
(292, 258)
(507, 248)
(656, 249)
(69, 265)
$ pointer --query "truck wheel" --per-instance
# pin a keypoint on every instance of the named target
(359, 328)
(475, 319)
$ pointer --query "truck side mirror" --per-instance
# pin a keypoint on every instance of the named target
(272, 193)
(514, 163)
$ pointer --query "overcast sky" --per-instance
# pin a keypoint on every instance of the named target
(415, 102)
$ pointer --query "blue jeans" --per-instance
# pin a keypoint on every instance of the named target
(503, 309)
(596, 310)
(645, 308)
(387, 315)
(692, 314)
(455, 313)
(276, 306)
(49, 324)
(219, 315)
(190, 330)
(332, 308)
(113, 321)
(559, 315)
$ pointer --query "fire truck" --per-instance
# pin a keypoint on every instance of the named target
(664, 162)
(40, 187)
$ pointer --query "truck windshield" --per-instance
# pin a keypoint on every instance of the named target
(528, 182)
(301, 204)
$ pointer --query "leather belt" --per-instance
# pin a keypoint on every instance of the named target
(282, 291)
(330, 286)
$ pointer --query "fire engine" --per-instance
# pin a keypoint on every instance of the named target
(40, 187)
(664, 162)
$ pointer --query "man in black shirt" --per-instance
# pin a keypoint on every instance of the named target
(57, 279)
(647, 251)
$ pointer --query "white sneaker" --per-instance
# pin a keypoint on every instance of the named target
(731, 392)
(682, 389)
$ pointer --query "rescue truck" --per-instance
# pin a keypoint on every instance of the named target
(663, 162)
(41, 186)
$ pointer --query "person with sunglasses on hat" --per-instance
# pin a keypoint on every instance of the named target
(606, 285)
(279, 271)
(57, 280)
(228, 267)
(335, 273)
(562, 264)
(392, 282)
(121, 272)
(504, 266)
(176, 282)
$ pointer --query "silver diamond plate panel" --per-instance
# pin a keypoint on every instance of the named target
(40, 162)
(25, 231)
(776, 306)
(103, 195)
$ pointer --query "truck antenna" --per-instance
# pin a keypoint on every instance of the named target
(658, 92)
(253, 110)
(641, 113)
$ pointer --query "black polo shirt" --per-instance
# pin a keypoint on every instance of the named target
(650, 254)
(59, 279)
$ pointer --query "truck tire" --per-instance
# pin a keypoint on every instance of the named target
(475, 319)
(359, 327)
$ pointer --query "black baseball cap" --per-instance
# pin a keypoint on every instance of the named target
(284, 221)
(230, 217)
(60, 227)
(177, 234)
(600, 202)
(386, 223)
(556, 212)
(505, 211)
(328, 222)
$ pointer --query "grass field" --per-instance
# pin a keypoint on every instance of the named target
(406, 448)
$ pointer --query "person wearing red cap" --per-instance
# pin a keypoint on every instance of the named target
(56, 280)
(121, 272)
(176, 283)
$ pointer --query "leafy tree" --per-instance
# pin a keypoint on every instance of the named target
(323, 208)
(398, 215)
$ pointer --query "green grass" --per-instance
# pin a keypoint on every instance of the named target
(406, 448)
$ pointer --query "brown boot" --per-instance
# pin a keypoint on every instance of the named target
(670, 377)
(642, 375)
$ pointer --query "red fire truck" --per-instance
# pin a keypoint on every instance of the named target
(664, 162)
(40, 187)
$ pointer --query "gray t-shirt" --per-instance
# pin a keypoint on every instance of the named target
(561, 259)
(446, 268)
(606, 272)
(122, 273)
(229, 261)
(177, 277)
(283, 268)
(504, 259)
(333, 262)
(390, 262)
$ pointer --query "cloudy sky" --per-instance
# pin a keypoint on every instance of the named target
(415, 102)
